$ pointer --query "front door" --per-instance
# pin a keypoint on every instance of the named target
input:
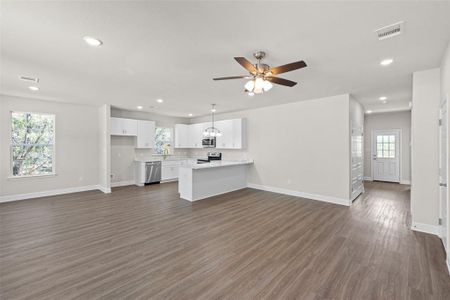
(386, 155)
(443, 172)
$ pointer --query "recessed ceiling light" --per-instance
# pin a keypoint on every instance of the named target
(190, 115)
(368, 111)
(91, 41)
(386, 62)
(139, 107)
(159, 100)
(382, 98)
(33, 88)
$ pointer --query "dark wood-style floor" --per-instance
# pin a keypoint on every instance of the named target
(141, 243)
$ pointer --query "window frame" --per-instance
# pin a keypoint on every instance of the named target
(172, 141)
(53, 172)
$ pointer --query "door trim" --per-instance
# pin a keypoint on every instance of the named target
(399, 131)
(445, 103)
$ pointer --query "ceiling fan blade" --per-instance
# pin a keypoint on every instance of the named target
(231, 77)
(287, 68)
(246, 64)
(281, 81)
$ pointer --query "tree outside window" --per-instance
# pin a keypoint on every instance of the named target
(163, 140)
(32, 144)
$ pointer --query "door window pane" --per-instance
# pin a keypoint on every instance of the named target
(385, 146)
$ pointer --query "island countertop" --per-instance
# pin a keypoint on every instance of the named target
(215, 164)
(200, 181)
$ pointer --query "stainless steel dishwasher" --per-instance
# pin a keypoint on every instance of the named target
(152, 172)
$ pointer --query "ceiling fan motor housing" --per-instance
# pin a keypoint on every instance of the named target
(262, 68)
(259, 54)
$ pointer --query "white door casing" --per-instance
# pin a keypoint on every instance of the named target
(443, 171)
(386, 155)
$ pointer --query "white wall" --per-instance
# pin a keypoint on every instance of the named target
(356, 113)
(77, 131)
(424, 154)
(445, 74)
(391, 120)
(301, 147)
(123, 150)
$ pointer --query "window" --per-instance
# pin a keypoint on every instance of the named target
(385, 146)
(32, 144)
(163, 140)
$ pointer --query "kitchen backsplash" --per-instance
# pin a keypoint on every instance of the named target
(226, 154)
(147, 154)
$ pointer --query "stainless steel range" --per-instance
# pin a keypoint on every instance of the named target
(211, 157)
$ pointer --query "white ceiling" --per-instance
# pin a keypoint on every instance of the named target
(171, 50)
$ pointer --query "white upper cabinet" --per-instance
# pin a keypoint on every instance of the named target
(233, 134)
(195, 135)
(145, 134)
(225, 141)
(181, 136)
(239, 134)
(190, 136)
(120, 126)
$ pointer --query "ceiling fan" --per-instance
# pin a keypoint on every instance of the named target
(262, 75)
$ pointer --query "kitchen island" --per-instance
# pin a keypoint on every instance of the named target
(200, 181)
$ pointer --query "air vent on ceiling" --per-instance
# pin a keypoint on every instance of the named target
(390, 31)
(26, 78)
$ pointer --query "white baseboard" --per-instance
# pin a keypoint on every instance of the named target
(323, 198)
(448, 265)
(104, 189)
(122, 183)
(169, 180)
(427, 228)
(17, 197)
(367, 178)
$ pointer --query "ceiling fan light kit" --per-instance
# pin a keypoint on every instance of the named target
(262, 75)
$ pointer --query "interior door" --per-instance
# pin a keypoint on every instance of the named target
(386, 155)
(443, 173)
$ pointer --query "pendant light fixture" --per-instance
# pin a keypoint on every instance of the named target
(212, 132)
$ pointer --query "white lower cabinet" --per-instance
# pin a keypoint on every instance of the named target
(169, 170)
